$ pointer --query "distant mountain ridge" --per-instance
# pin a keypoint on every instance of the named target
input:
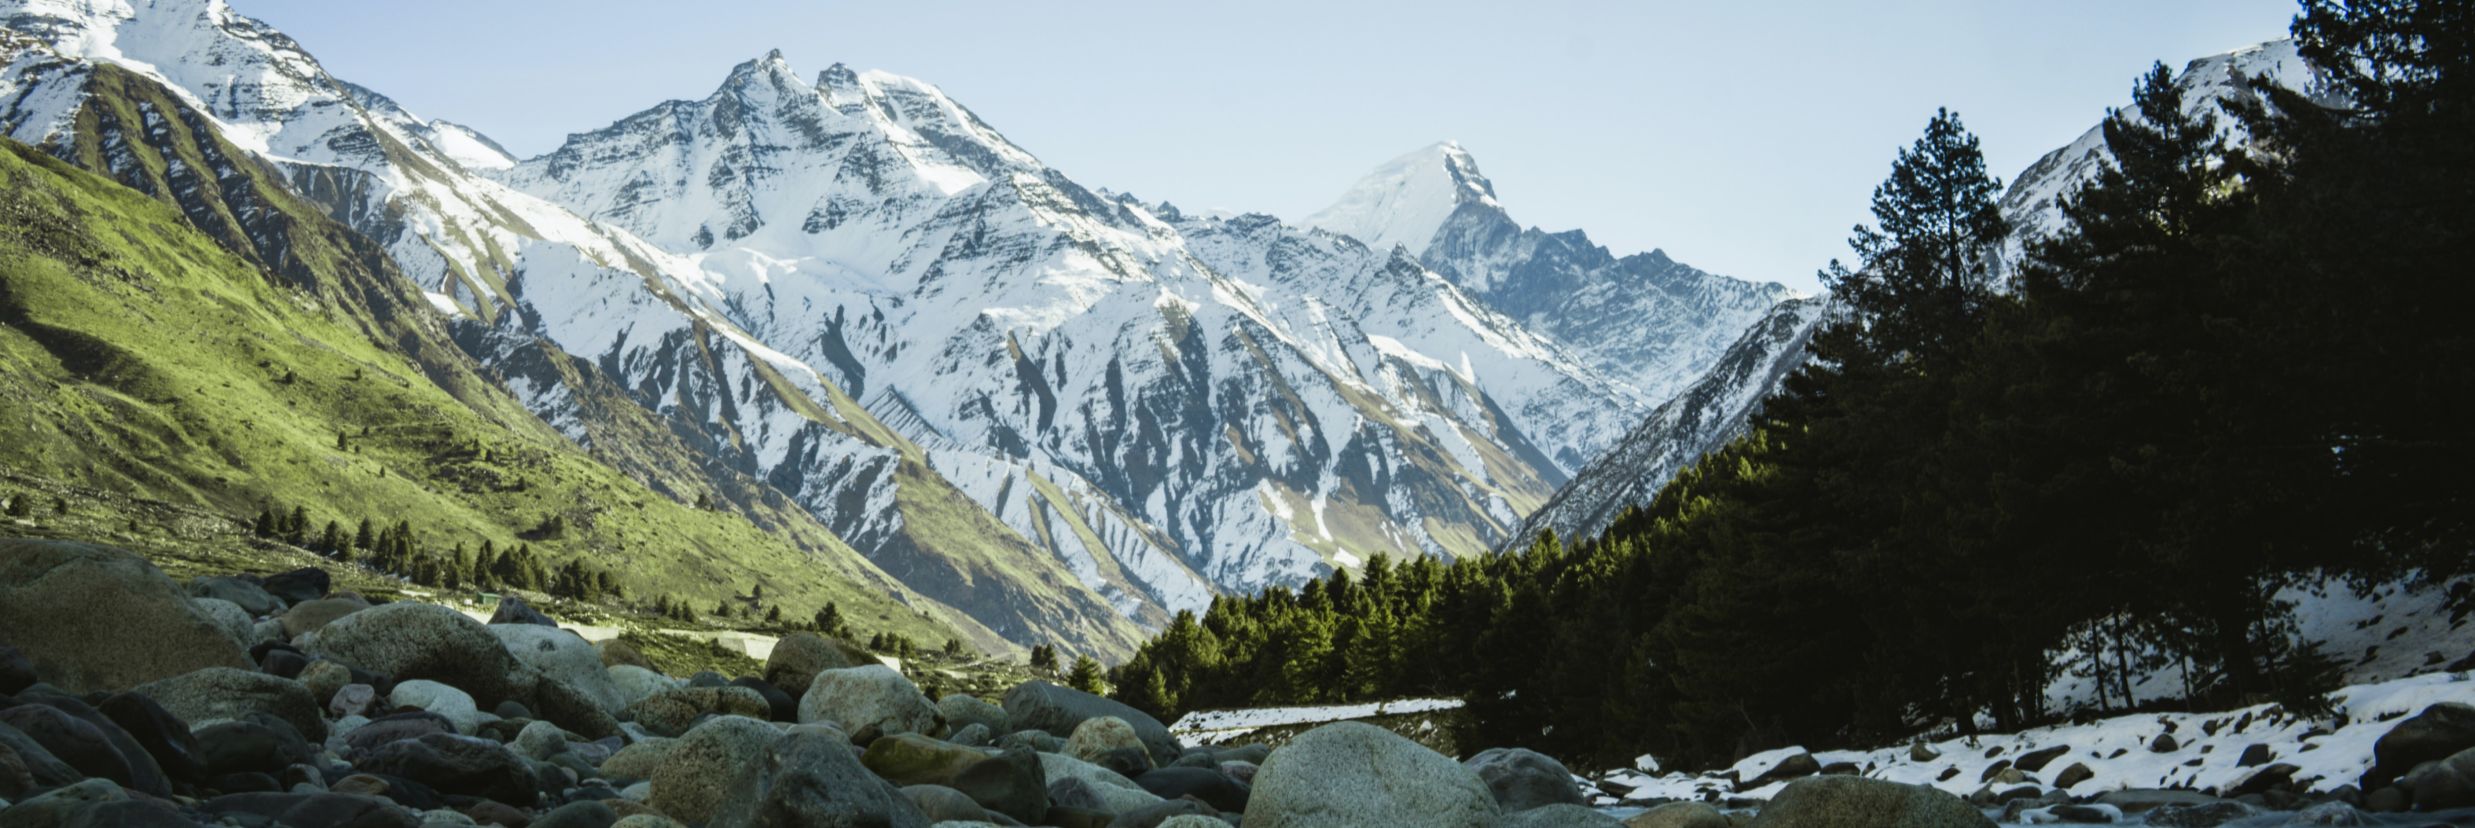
(1062, 413)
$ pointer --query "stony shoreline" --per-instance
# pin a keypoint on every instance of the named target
(127, 698)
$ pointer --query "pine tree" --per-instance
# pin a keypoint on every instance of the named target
(364, 538)
(1087, 676)
(1927, 268)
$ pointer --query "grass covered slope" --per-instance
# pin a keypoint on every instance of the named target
(138, 356)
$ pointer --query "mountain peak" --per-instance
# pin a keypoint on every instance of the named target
(772, 69)
(1404, 201)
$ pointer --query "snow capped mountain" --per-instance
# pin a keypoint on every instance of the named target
(1245, 403)
(1404, 202)
(1646, 322)
(1061, 412)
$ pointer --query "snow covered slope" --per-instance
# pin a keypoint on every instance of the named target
(1708, 414)
(2031, 202)
(1062, 412)
(1223, 415)
(534, 281)
(1644, 321)
(1405, 201)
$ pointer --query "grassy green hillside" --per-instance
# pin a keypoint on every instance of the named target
(143, 360)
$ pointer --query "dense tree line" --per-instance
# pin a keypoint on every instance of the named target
(2235, 368)
(398, 550)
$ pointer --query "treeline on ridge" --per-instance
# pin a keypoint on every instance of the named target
(2237, 368)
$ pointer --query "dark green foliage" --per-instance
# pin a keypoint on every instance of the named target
(21, 505)
(1043, 657)
(2231, 371)
(1087, 676)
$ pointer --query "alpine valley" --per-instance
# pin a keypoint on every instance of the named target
(843, 309)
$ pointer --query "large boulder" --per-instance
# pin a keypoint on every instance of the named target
(636, 684)
(853, 698)
(87, 747)
(718, 761)
(427, 641)
(812, 778)
(421, 641)
(2439, 732)
(1010, 783)
(562, 656)
(798, 657)
(2442, 785)
(913, 759)
(94, 618)
(963, 710)
(216, 694)
(1115, 792)
(674, 712)
(457, 765)
(1857, 802)
(1353, 773)
(1039, 705)
(1099, 736)
(1522, 779)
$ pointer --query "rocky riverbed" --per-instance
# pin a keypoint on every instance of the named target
(129, 699)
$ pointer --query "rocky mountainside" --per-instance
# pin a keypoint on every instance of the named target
(1647, 322)
(191, 337)
(1713, 408)
(1062, 412)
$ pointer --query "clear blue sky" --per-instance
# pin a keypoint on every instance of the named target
(1742, 137)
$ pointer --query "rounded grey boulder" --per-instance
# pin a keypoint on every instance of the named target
(812, 778)
(53, 594)
(420, 641)
(1522, 779)
(1039, 705)
(1857, 802)
(215, 694)
(720, 760)
(854, 698)
(562, 656)
(1352, 774)
(798, 657)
